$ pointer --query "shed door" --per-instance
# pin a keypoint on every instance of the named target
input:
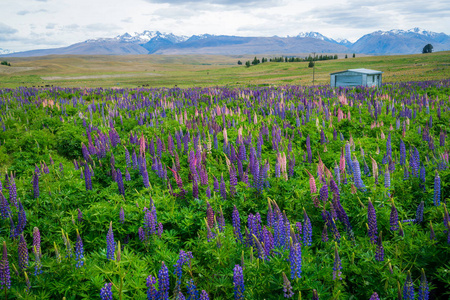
(348, 80)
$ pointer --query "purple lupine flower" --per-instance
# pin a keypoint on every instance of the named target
(192, 290)
(106, 292)
(37, 261)
(307, 229)
(408, 288)
(372, 220)
(337, 265)
(223, 190)
(393, 219)
(295, 260)
(221, 221)
(402, 153)
(424, 290)
(5, 277)
(414, 162)
(122, 215)
(87, 177)
(437, 190)
(419, 213)
(127, 175)
(160, 229)
(348, 158)
(238, 282)
(22, 220)
(236, 224)
(315, 295)
(23, 253)
(141, 234)
(152, 293)
(37, 240)
(268, 241)
(79, 216)
(204, 295)
(195, 188)
(120, 182)
(163, 282)
(287, 287)
(79, 251)
(374, 297)
(432, 234)
(357, 175)
(4, 207)
(27, 282)
(216, 185)
(379, 252)
(12, 191)
(324, 193)
(36, 185)
(388, 146)
(184, 258)
(110, 244)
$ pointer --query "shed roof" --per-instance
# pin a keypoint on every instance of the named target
(362, 71)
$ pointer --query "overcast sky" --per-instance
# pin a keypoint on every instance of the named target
(37, 24)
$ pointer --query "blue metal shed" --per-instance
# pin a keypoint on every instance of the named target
(354, 77)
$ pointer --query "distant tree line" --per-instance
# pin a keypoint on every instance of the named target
(309, 58)
(5, 63)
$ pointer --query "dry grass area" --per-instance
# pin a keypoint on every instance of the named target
(206, 70)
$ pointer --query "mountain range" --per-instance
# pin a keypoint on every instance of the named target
(154, 42)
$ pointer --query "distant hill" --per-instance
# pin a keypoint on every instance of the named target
(154, 42)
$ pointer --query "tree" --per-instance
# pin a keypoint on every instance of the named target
(311, 64)
(247, 64)
(346, 56)
(427, 49)
(354, 55)
(239, 62)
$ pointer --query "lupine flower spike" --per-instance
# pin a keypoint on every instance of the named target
(238, 282)
(106, 292)
(110, 245)
(408, 288)
(5, 277)
(424, 290)
(287, 287)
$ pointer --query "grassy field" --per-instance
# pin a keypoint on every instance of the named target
(206, 70)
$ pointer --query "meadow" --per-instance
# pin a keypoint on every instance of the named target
(225, 192)
(203, 70)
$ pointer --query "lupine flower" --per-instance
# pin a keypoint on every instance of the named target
(424, 290)
(324, 193)
(152, 293)
(5, 277)
(233, 181)
(119, 180)
(163, 282)
(22, 220)
(315, 295)
(337, 266)
(414, 162)
(393, 219)
(122, 215)
(372, 220)
(295, 260)
(87, 177)
(287, 287)
(184, 258)
(27, 282)
(379, 252)
(432, 234)
(192, 290)
(402, 153)
(195, 188)
(236, 224)
(37, 239)
(357, 175)
(419, 213)
(437, 190)
(160, 229)
(106, 292)
(325, 234)
(308, 149)
(110, 245)
(57, 253)
(23, 253)
(204, 295)
(238, 282)
(141, 234)
(307, 229)
(37, 261)
(221, 221)
(79, 216)
(374, 297)
(4, 207)
(408, 288)
(79, 251)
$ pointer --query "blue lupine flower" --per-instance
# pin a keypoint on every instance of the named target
(163, 283)
(5, 276)
(408, 288)
(79, 251)
(393, 219)
(106, 292)
(238, 282)
(236, 224)
(372, 220)
(424, 290)
(295, 260)
(152, 293)
(204, 295)
(23, 253)
(379, 252)
(437, 190)
(307, 229)
(287, 287)
(192, 290)
(374, 297)
(110, 245)
(337, 265)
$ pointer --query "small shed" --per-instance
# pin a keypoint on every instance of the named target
(354, 77)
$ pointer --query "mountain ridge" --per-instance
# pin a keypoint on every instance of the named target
(395, 41)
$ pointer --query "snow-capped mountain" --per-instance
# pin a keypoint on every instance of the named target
(398, 41)
(5, 51)
(395, 41)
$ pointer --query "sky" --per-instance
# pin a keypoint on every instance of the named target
(41, 24)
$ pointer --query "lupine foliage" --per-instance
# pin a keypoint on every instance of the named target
(225, 193)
